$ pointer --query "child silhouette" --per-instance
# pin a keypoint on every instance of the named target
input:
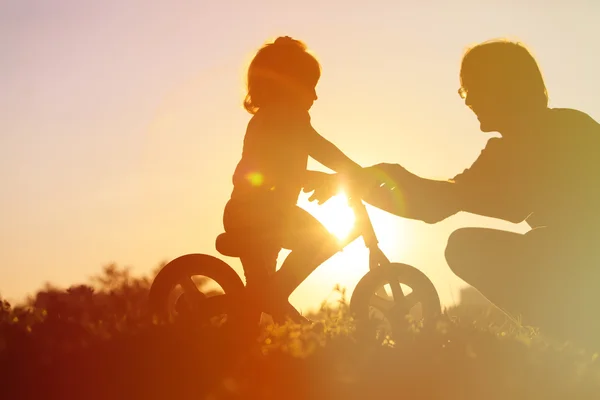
(263, 207)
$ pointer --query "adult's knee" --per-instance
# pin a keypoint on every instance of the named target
(456, 253)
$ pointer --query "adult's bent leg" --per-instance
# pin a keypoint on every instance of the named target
(493, 262)
(535, 275)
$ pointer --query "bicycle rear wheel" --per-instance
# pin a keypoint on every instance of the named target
(182, 287)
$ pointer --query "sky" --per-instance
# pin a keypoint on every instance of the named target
(121, 122)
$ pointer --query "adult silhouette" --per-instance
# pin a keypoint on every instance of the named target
(545, 170)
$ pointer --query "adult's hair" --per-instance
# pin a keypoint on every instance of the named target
(508, 66)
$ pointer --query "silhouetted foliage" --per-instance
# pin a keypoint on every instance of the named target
(99, 341)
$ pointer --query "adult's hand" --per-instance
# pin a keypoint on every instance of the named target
(389, 175)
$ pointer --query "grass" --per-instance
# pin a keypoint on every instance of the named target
(99, 341)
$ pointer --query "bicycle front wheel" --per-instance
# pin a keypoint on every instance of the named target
(388, 296)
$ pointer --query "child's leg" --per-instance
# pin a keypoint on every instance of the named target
(250, 221)
(258, 266)
(294, 229)
(311, 244)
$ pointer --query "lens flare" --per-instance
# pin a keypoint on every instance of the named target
(255, 178)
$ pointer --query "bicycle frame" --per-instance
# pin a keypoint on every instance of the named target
(364, 227)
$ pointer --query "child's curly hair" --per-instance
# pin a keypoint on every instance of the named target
(281, 70)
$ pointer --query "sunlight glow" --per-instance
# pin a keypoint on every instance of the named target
(335, 214)
(352, 263)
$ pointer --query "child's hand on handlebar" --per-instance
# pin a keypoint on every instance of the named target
(323, 185)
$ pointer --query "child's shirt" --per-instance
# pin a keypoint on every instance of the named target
(274, 158)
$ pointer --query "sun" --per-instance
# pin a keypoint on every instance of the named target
(348, 266)
(336, 215)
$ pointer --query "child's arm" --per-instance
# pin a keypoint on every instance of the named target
(325, 152)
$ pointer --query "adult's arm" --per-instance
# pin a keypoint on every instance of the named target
(410, 196)
(489, 188)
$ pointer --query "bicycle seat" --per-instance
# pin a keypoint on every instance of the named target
(237, 245)
(228, 245)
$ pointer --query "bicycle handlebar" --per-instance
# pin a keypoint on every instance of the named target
(363, 225)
